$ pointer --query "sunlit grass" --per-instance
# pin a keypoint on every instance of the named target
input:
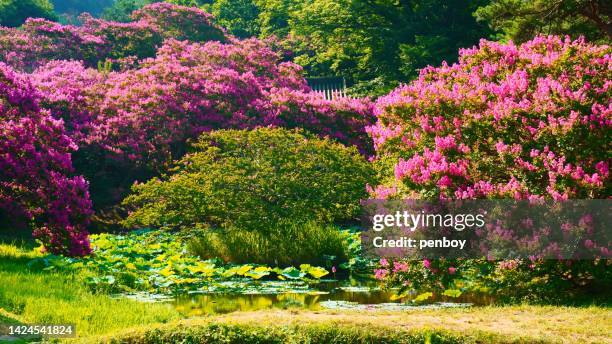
(62, 298)
(507, 324)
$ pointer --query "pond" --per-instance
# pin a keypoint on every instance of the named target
(325, 295)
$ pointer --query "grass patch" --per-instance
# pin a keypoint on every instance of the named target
(291, 244)
(49, 297)
(516, 324)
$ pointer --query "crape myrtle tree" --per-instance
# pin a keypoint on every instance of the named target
(374, 44)
(36, 174)
(130, 118)
(530, 121)
(139, 119)
(97, 41)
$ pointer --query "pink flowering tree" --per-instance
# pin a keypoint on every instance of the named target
(506, 121)
(35, 159)
(39, 40)
(180, 22)
(140, 118)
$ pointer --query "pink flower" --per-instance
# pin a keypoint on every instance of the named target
(384, 262)
(400, 267)
(380, 274)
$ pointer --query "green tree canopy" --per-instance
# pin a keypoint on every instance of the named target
(521, 20)
(13, 13)
(273, 19)
(377, 42)
(122, 9)
(239, 17)
(76, 7)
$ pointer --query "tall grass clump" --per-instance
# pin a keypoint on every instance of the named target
(290, 245)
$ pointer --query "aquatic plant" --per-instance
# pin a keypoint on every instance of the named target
(158, 262)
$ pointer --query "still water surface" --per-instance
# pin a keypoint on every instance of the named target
(334, 295)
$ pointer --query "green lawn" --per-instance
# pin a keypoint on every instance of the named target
(510, 324)
(47, 297)
(50, 297)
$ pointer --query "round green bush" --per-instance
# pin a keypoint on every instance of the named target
(255, 180)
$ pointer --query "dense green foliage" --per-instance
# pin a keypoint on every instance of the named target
(121, 10)
(13, 13)
(255, 180)
(240, 17)
(381, 42)
(76, 7)
(523, 20)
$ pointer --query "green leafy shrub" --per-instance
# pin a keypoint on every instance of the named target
(255, 180)
(289, 245)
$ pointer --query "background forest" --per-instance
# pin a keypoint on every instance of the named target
(374, 44)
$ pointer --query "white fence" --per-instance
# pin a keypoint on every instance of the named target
(329, 87)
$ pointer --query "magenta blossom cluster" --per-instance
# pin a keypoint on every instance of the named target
(506, 121)
(35, 164)
(520, 122)
(39, 41)
(147, 113)
(180, 22)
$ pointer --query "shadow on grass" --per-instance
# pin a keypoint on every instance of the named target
(10, 263)
(22, 238)
(15, 251)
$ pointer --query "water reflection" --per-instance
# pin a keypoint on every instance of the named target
(203, 304)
